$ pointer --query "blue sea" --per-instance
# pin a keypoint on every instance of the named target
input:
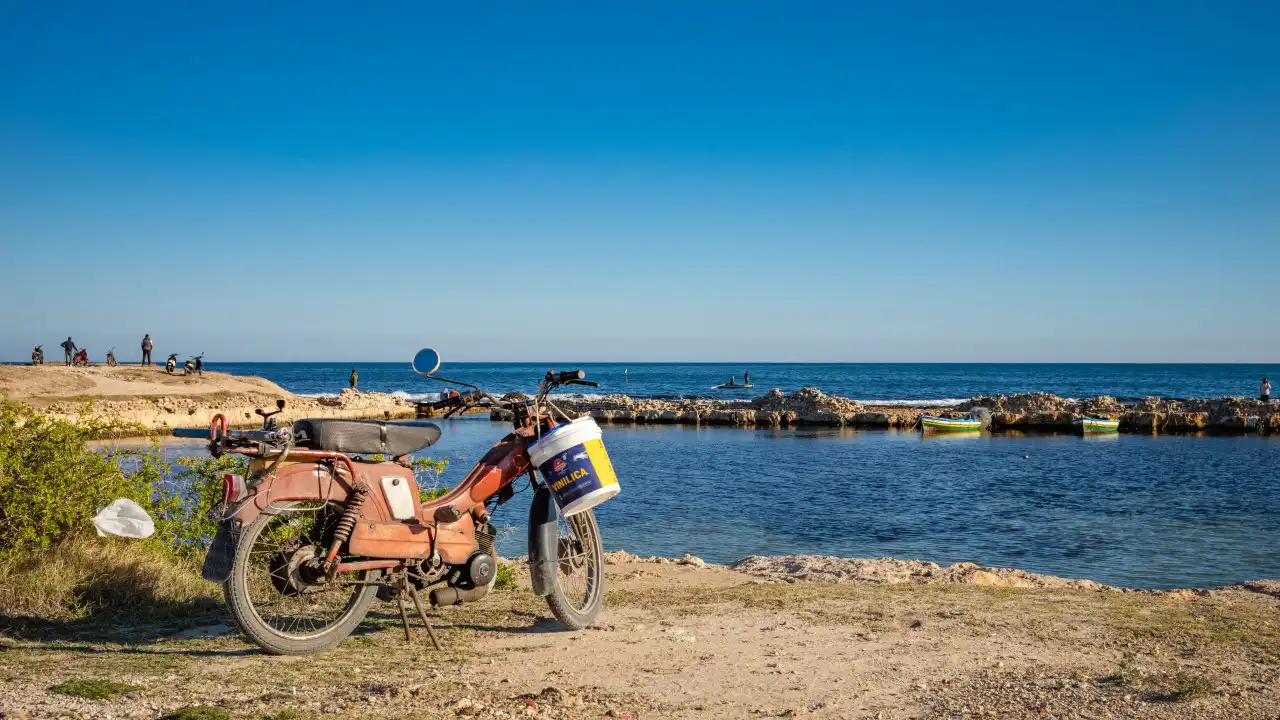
(891, 382)
(1129, 510)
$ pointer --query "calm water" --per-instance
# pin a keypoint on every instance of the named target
(1138, 511)
(895, 381)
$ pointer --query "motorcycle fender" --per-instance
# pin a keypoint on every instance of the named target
(543, 542)
(217, 562)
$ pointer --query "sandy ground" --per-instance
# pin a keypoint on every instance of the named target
(682, 641)
(49, 383)
(154, 401)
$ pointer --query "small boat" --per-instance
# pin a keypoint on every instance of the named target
(1097, 425)
(929, 423)
(727, 386)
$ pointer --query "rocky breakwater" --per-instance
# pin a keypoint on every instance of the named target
(1042, 411)
(808, 406)
(160, 413)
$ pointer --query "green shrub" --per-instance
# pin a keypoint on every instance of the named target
(427, 472)
(51, 481)
(191, 495)
(506, 577)
(91, 689)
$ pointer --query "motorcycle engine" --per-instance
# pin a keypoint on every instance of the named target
(479, 570)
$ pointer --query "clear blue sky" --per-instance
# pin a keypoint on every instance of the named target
(1014, 181)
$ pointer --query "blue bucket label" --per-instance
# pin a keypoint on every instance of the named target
(580, 470)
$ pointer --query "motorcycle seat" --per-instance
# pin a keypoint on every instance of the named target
(365, 437)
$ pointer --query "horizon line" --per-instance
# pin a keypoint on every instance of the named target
(692, 362)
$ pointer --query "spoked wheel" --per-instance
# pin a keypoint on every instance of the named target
(278, 594)
(578, 592)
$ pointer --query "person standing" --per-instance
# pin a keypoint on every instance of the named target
(68, 350)
(146, 349)
(746, 377)
(1264, 392)
(355, 378)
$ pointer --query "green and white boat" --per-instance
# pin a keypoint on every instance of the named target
(1097, 425)
(929, 423)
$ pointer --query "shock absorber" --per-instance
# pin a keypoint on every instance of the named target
(346, 523)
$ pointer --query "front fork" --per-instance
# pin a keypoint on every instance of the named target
(544, 539)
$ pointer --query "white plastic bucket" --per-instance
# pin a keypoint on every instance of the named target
(575, 465)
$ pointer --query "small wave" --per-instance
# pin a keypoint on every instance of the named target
(417, 397)
(576, 396)
(944, 402)
(317, 394)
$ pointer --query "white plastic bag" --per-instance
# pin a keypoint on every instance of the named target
(124, 518)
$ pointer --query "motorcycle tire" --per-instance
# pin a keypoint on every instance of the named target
(273, 640)
(580, 552)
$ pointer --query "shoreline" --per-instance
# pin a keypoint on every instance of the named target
(152, 401)
(836, 569)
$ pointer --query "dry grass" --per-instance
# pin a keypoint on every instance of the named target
(86, 576)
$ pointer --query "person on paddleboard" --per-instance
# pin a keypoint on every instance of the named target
(746, 377)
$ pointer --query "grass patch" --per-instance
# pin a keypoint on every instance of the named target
(91, 689)
(1180, 687)
(89, 575)
(198, 713)
(285, 715)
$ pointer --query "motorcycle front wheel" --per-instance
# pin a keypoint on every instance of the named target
(577, 595)
(277, 600)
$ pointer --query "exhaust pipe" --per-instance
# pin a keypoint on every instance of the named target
(454, 596)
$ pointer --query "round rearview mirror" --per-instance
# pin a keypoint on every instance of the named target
(426, 361)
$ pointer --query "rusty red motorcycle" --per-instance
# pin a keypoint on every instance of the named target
(330, 517)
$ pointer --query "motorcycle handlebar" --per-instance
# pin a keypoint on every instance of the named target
(193, 433)
(266, 436)
(569, 376)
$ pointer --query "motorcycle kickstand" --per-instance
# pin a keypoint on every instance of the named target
(413, 593)
(404, 617)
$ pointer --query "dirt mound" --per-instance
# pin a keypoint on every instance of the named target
(156, 401)
(47, 384)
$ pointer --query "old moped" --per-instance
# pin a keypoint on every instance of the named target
(330, 514)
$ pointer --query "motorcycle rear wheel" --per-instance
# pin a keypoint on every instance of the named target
(281, 613)
(577, 595)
